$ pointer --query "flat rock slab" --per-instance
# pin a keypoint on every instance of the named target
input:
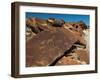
(45, 47)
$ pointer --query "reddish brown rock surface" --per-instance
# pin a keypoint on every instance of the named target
(83, 55)
(68, 61)
(51, 42)
(46, 46)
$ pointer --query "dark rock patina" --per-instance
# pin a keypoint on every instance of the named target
(47, 46)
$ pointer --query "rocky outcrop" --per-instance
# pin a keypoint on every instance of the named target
(47, 46)
(56, 42)
(68, 61)
(55, 22)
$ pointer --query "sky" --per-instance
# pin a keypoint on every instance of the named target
(65, 17)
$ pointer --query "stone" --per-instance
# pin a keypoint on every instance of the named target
(56, 22)
(68, 61)
(48, 40)
(44, 48)
(37, 25)
(83, 55)
(29, 34)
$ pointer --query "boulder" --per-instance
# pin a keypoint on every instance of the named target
(56, 22)
(44, 48)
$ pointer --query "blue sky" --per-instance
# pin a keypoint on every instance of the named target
(65, 17)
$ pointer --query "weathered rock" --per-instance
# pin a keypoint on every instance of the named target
(68, 61)
(87, 38)
(77, 31)
(35, 21)
(73, 55)
(29, 34)
(75, 26)
(46, 46)
(50, 39)
(55, 22)
(37, 25)
(83, 55)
